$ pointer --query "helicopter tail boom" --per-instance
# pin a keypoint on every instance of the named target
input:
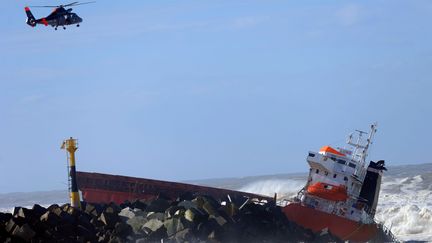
(30, 18)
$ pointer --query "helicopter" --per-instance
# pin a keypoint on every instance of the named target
(60, 16)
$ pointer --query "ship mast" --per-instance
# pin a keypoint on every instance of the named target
(361, 149)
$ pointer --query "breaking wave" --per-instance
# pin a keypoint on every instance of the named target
(405, 207)
(284, 188)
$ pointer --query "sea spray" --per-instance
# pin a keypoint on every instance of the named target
(285, 188)
(405, 207)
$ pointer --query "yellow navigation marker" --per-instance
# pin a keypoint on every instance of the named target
(71, 146)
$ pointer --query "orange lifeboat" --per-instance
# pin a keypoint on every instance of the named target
(327, 191)
(328, 149)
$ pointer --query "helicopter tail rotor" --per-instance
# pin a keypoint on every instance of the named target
(30, 18)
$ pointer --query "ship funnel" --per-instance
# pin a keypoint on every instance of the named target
(372, 184)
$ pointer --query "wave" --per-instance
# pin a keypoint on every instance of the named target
(284, 188)
(405, 206)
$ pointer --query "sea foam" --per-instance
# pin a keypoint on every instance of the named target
(405, 207)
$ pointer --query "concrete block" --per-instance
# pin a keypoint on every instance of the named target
(158, 206)
(173, 226)
(110, 209)
(88, 208)
(15, 211)
(10, 226)
(126, 213)
(65, 230)
(4, 217)
(52, 207)
(205, 228)
(137, 223)
(24, 213)
(109, 219)
(209, 208)
(156, 236)
(24, 232)
(140, 204)
(85, 221)
(38, 210)
(126, 204)
(122, 230)
(152, 225)
(115, 208)
(141, 240)
(170, 212)
(159, 216)
(185, 235)
(195, 215)
(187, 204)
(179, 213)
(219, 219)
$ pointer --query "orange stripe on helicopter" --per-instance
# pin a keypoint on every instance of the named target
(44, 22)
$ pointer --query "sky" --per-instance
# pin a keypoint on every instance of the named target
(195, 89)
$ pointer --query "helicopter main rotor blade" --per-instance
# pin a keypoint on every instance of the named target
(69, 4)
(78, 3)
(60, 6)
(44, 6)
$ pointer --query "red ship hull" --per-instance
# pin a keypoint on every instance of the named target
(317, 221)
(104, 188)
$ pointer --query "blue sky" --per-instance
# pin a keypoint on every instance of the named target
(180, 90)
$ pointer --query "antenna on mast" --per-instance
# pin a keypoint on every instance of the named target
(361, 148)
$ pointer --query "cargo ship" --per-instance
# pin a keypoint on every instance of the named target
(341, 193)
(340, 196)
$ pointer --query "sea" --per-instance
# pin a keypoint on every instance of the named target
(405, 201)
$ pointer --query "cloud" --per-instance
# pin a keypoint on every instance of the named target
(349, 14)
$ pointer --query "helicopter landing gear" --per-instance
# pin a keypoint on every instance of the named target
(55, 28)
(64, 27)
(78, 25)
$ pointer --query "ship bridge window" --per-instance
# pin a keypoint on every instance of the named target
(345, 178)
(334, 176)
(352, 165)
(341, 161)
(317, 171)
(311, 155)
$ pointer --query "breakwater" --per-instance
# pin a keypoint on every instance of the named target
(187, 219)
